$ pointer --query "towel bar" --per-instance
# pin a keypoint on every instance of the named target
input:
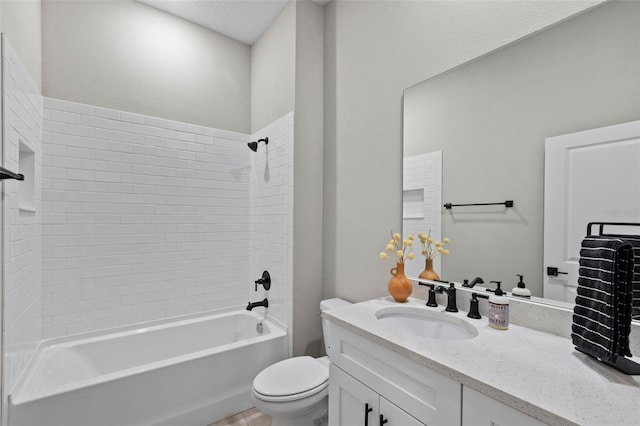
(6, 174)
(508, 203)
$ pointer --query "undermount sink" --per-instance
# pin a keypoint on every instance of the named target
(428, 324)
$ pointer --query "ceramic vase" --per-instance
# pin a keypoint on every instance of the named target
(429, 273)
(400, 287)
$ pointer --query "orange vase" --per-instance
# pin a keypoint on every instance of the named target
(400, 287)
(429, 273)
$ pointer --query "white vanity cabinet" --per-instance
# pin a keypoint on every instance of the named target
(352, 403)
(370, 385)
(480, 410)
(365, 375)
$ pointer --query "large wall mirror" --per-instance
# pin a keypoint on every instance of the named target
(476, 134)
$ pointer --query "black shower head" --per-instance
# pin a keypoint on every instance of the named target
(253, 146)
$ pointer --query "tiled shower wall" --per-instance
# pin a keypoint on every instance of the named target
(272, 216)
(422, 204)
(134, 218)
(144, 218)
(21, 223)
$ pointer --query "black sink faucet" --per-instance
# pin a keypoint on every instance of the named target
(451, 297)
(476, 280)
(264, 303)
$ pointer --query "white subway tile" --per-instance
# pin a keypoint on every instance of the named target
(107, 134)
(55, 104)
(82, 109)
(106, 113)
(155, 203)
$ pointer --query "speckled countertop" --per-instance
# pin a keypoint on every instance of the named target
(537, 373)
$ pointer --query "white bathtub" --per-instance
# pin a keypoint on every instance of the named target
(193, 371)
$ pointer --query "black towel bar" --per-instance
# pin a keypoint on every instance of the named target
(601, 226)
(6, 174)
(508, 203)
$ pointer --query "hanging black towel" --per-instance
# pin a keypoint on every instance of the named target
(602, 313)
(635, 242)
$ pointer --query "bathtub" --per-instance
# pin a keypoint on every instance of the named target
(191, 371)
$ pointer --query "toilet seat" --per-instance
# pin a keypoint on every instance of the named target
(291, 379)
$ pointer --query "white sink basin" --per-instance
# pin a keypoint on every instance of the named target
(424, 323)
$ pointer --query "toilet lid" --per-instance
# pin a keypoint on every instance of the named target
(291, 376)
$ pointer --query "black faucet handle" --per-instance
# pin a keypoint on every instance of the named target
(451, 297)
(474, 310)
(432, 294)
(432, 298)
(264, 281)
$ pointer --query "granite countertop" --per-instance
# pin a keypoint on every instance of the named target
(537, 373)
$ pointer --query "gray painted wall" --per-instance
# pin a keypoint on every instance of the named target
(308, 164)
(128, 56)
(273, 70)
(490, 119)
(20, 22)
(287, 74)
(373, 51)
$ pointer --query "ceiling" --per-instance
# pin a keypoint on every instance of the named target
(242, 20)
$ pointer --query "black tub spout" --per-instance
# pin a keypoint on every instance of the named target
(264, 303)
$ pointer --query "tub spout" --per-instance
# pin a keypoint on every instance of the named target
(264, 303)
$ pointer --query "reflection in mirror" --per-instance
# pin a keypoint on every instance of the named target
(490, 118)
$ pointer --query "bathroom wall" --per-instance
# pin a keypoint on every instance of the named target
(271, 228)
(308, 208)
(273, 70)
(287, 71)
(131, 57)
(373, 51)
(146, 218)
(22, 220)
(143, 218)
(20, 21)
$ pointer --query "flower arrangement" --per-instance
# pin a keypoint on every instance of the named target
(399, 249)
(431, 248)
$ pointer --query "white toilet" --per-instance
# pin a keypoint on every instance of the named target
(294, 392)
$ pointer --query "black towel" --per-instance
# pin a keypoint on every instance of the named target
(635, 242)
(602, 314)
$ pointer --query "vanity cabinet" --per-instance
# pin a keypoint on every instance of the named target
(370, 385)
(480, 410)
(364, 375)
(352, 403)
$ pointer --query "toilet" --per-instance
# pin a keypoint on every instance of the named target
(294, 392)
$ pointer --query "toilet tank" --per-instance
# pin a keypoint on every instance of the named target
(324, 306)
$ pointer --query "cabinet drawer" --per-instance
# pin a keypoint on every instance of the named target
(480, 410)
(425, 394)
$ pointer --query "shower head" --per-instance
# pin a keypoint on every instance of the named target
(253, 146)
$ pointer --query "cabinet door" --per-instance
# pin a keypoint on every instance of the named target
(480, 410)
(394, 416)
(350, 402)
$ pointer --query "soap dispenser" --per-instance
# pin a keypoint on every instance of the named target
(498, 309)
(520, 290)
